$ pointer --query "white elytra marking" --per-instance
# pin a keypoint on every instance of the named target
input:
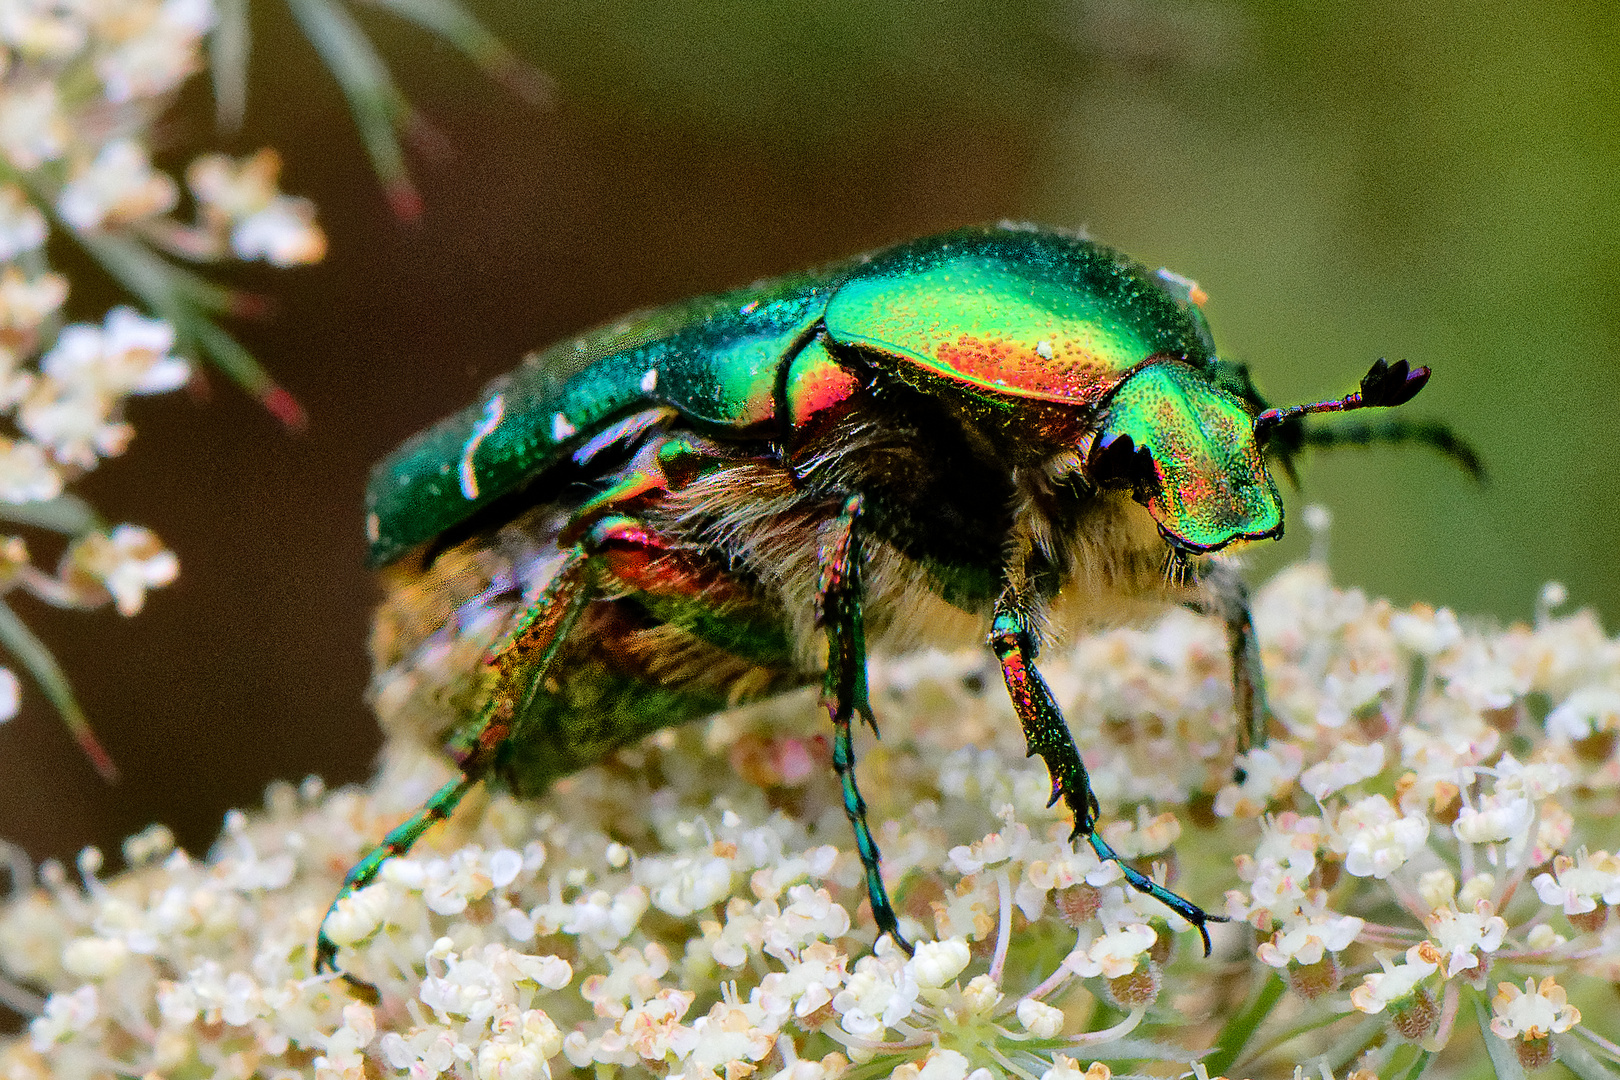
(1043, 349)
(649, 381)
(493, 411)
(561, 428)
(373, 528)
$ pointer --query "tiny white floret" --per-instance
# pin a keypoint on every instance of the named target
(938, 962)
(1040, 1019)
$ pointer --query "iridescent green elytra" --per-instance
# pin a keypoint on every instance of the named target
(956, 437)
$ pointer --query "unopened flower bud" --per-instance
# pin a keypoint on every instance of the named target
(1479, 887)
(981, 994)
(1437, 888)
(1040, 1019)
(1542, 938)
(938, 962)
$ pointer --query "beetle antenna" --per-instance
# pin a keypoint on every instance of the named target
(1395, 432)
(1384, 386)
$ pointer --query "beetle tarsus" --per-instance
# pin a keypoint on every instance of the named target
(1139, 881)
(326, 961)
(399, 841)
(519, 660)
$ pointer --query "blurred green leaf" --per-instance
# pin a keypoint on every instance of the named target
(1238, 1030)
(41, 665)
(187, 301)
(228, 47)
(1504, 1060)
(1129, 1049)
(66, 514)
(453, 23)
(1575, 1056)
(1419, 1065)
(379, 109)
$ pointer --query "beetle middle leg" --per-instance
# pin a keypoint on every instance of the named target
(1227, 598)
(838, 609)
(1048, 735)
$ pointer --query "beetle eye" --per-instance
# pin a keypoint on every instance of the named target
(1117, 462)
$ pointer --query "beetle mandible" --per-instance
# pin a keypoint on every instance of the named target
(970, 433)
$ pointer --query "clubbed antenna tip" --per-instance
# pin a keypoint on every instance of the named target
(1384, 386)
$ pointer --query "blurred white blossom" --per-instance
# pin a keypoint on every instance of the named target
(82, 86)
(10, 694)
(241, 198)
(117, 187)
(1534, 1012)
(126, 562)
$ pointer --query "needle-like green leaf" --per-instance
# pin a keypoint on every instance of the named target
(228, 46)
(187, 301)
(1237, 1032)
(453, 23)
(66, 514)
(1575, 1056)
(41, 665)
(380, 110)
(1503, 1060)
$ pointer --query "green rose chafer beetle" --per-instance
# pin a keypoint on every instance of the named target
(969, 434)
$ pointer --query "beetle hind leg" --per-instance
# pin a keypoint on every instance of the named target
(399, 841)
(1048, 735)
(520, 661)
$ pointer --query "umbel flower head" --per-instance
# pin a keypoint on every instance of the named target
(692, 907)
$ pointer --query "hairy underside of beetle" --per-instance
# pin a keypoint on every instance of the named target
(722, 609)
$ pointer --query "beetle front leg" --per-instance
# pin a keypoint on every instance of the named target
(1048, 735)
(520, 660)
(1228, 600)
(838, 609)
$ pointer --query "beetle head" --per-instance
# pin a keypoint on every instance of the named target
(1187, 449)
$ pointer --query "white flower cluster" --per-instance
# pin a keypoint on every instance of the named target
(1455, 777)
(82, 83)
(691, 909)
